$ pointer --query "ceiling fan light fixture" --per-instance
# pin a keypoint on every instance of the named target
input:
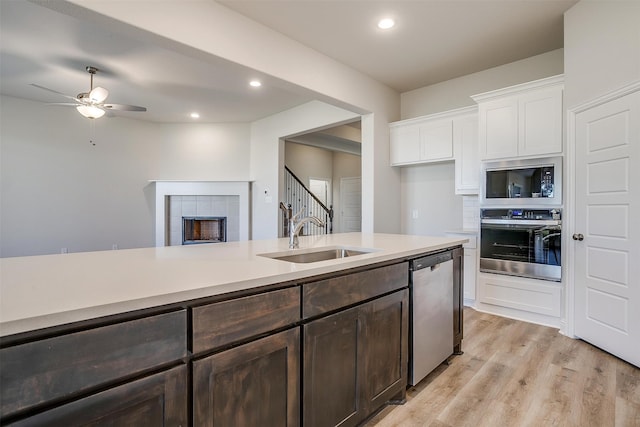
(98, 94)
(90, 111)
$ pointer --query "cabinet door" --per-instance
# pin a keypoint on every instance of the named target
(540, 122)
(467, 166)
(498, 130)
(254, 384)
(386, 332)
(470, 266)
(405, 144)
(157, 400)
(436, 141)
(332, 372)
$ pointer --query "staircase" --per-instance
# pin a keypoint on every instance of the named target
(298, 196)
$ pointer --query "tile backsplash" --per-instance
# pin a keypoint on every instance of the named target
(470, 212)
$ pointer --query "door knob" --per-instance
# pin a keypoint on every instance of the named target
(578, 237)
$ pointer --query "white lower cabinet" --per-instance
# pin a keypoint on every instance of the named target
(532, 300)
(470, 266)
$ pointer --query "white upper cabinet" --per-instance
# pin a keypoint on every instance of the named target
(405, 144)
(436, 140)
(465, 142)
(422, 140)
(446, 136)
(521, 121)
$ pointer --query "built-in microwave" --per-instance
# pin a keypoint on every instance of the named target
(528, 182)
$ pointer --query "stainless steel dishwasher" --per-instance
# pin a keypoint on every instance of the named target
(431, 313)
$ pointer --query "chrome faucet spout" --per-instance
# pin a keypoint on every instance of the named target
(296, 225)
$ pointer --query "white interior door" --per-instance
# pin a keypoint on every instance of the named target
(350, 204)
(321, 188)
(606, 238)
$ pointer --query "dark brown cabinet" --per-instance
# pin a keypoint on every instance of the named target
(255, 384)
(329, 350)
(355, 361)
(332, 371)
(61, 368)
(458, 274)
(157, 400)
(386, 349)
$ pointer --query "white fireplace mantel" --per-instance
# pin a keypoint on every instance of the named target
(163, 189)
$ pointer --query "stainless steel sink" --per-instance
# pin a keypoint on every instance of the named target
(318, 254)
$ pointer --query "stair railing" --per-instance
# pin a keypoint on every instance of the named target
(299, 197)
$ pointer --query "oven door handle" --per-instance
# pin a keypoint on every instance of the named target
(528, 222)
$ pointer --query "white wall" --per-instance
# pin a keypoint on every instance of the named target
(429, 190)
(602, 48)
(267, 157)
(58, 190)
(455, 93)
(226, 34)
(306, 161)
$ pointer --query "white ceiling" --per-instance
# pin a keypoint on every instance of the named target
(432, 42)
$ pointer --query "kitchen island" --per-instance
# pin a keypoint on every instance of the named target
(194, 333)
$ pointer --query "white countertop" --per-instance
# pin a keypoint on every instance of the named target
(43, 291)
(471, 231)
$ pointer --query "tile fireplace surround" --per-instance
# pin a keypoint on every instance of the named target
(175, 199)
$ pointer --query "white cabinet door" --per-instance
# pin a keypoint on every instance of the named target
(521, 121)
(405, 144)
(540, 122)
(499, 128)
(436, 141)
(470, 267)
(467, 166)
(606, 270)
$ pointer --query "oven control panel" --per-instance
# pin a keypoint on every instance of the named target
(515, 214)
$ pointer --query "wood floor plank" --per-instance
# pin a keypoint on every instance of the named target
(517, 374)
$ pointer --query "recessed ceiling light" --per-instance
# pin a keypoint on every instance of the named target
(255, 83)
(386, 23)
(195, 115)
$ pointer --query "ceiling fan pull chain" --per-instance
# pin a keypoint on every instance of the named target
(92, 132)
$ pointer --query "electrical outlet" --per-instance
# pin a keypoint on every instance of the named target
(114, 247)
(64, 250)
(414, 214)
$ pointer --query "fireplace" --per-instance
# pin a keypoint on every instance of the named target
(214, 199)
(203, 229)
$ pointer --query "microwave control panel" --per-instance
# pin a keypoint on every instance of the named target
(521, 214)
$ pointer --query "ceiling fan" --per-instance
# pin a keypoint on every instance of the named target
(91, 104)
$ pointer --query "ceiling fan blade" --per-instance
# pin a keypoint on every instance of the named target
(98, 95)
(122, 107)
(54, 91)
(64, 104)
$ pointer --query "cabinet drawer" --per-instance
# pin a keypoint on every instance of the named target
(157, 400)
(331, 294)
(59, 367)
(222, 323)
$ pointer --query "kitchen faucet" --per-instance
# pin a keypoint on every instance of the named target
(296, 223)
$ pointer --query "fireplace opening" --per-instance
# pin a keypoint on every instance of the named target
(203, 229)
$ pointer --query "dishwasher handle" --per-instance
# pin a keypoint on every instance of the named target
(431, 261)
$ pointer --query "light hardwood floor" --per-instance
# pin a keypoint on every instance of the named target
(515, 373)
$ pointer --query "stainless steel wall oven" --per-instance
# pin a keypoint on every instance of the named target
(521, 242)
